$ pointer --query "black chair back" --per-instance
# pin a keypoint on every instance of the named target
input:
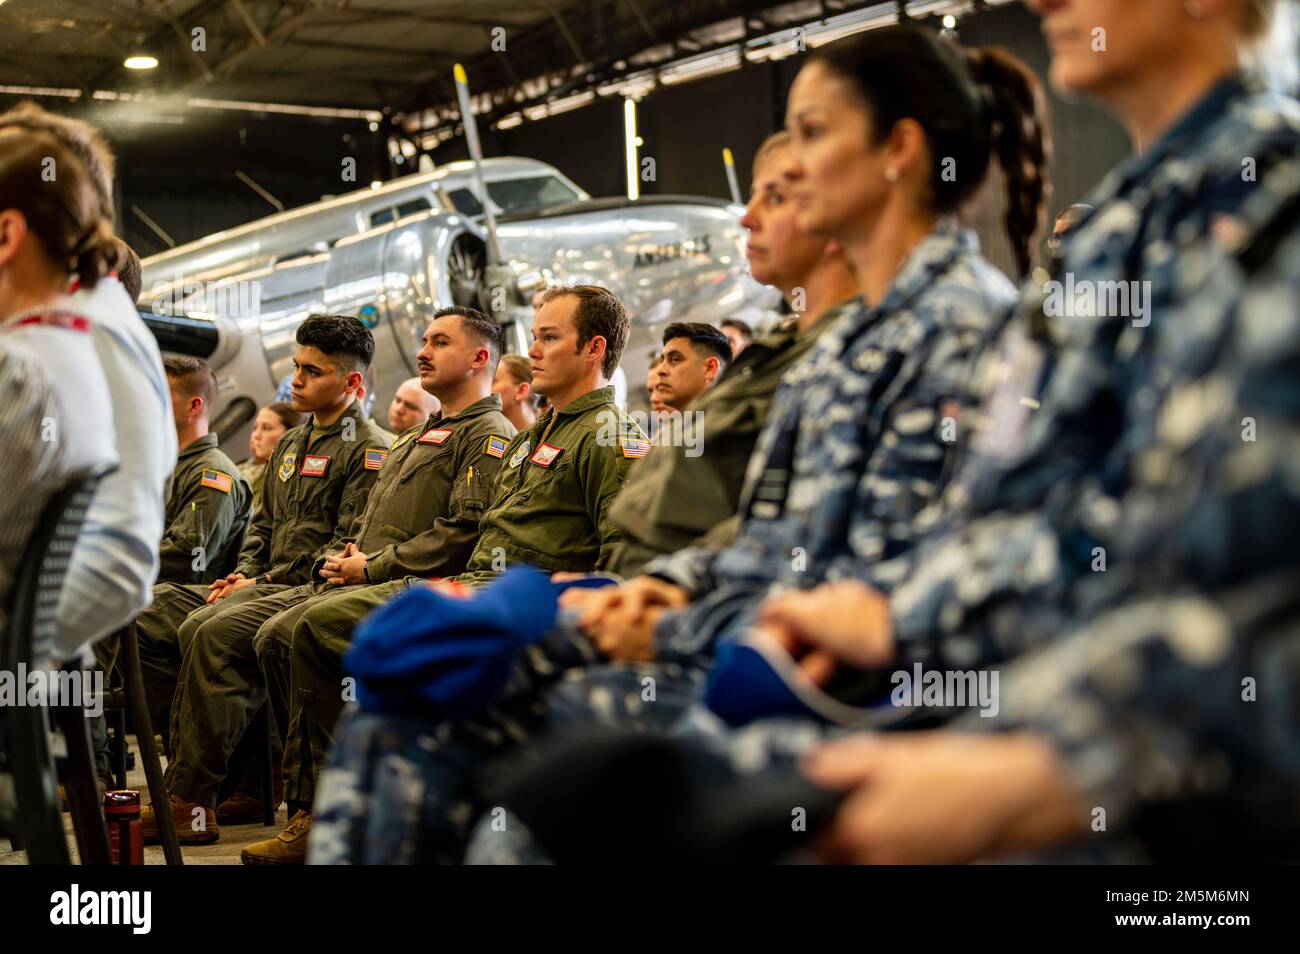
(28, 645)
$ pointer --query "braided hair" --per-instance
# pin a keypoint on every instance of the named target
(972, 105)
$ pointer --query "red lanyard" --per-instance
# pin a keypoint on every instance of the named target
(58, 319)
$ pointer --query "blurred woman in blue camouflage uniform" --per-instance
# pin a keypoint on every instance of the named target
(1156, 693)
(901, 128)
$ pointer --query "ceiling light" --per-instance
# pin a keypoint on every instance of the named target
(141, 61)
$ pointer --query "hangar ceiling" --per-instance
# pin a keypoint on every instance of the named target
(341, 57)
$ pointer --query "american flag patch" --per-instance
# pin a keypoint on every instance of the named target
(216, 480)
(496, 447)
(375, 457)
(635, 448)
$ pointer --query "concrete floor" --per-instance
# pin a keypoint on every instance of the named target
(224, 852)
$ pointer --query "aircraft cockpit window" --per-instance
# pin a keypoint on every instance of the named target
(515, 195)
(524, 195)
(414, 207)
(466, 202)
(394, 212)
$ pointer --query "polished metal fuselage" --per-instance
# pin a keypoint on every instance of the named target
(668, 259)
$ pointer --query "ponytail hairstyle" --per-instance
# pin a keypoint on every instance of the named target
(45, 182)
(972, 105)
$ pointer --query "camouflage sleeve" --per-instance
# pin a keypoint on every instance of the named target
(1202, 491)
(444, 549)
(912, 447)
(691, 568)
(602, 470)
(1169, 699)
(197, 536)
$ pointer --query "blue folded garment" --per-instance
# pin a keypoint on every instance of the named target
(753, 677)
(437, 656)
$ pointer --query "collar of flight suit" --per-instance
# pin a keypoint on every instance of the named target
(589, 401)
(490, 403)
(207, 441)
(353, 411)
(585, 403)
(785, 335)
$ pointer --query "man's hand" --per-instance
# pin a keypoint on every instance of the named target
(944, 797)
(219, 589)
(627, 638)
(621, 619)
(846, 620)
(631, 599)
(340, 569)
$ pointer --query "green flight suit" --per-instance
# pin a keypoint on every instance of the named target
(207, 512)
(313, 492)
(551, 509)
(680, 493)
(422, 521)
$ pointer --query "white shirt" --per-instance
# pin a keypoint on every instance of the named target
(115, 562)
(56, 422)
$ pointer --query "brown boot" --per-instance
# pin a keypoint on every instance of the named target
(191, 828)
(287, 848)
(244, 806)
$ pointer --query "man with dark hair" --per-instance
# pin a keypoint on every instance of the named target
(739, 335)
(694, 357)
(421, 521)
(199, 659)
(558, 477)
(210, 503)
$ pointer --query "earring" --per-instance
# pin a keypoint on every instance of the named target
(891, 175)
(1194, 9)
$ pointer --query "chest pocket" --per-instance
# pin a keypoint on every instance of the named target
(545, 481)
(422, 457)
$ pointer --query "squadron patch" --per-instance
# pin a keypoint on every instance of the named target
(495, 447)
(518, 456)
(216, 480)
(314, 466)
(286, 465)
(436, 436)
(546, 455)
(375, 457)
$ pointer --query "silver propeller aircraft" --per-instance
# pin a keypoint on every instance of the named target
(394, 254)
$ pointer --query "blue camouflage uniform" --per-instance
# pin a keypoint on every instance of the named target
(857, 427)
(1138, 445)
